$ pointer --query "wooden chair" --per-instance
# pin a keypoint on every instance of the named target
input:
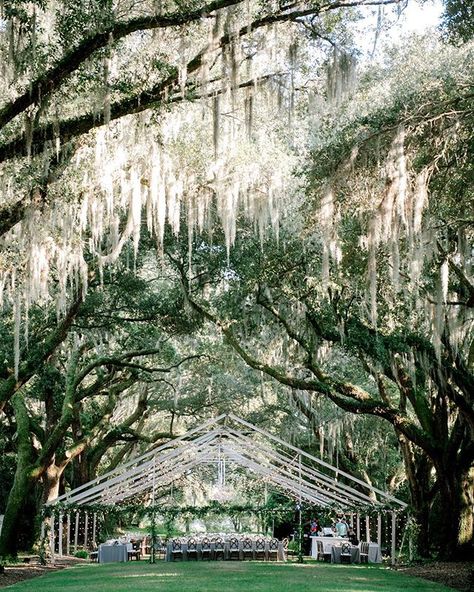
(192, 548)
(346, 555)
(206, 548)
(159, 547)
(234, 549)
(135, 552)
(287, 552)
(176, 549)
(273, 549)
(364, 552)
(247, 548)
(219, 547)
(322, 555)
(260, 549)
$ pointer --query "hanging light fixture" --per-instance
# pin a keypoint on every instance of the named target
(220, 492)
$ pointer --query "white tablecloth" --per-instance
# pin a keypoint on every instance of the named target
(112, 553)
(337, 550)
(328, 544)
(375, 556)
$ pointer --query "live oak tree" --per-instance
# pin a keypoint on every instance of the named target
(376, 270)
(129, 373)
(113, 113)
(100, 389)
(91, 128)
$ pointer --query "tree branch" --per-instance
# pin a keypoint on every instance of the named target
(38, 354)
(52, 80)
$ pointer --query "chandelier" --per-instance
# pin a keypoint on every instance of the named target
(220, 492)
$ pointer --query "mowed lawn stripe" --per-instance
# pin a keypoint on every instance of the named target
(229, 576)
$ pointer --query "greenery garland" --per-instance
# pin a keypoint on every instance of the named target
(324, 513)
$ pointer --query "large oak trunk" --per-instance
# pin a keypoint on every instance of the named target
(17, 502)
(456, 520)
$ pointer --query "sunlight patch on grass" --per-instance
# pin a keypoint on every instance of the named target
(148, 575)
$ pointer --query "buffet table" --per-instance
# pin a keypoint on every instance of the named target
(328, 544)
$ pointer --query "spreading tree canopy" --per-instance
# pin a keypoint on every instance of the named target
(145, 150)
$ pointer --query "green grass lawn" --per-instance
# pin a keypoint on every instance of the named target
(226, 577)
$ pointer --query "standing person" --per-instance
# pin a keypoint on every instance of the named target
(342, 528)
(314, 527)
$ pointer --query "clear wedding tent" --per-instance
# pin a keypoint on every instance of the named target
(223, 441)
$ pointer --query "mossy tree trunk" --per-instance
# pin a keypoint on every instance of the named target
(22, 483)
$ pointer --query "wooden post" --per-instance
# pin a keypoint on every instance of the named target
(94, 526)
(68, 534)
(351, 520)
(76, 532)
(367, 528)
(51, 536)
(60, 534)
(86, 527)
(394, 534)
(379, 531)
(358, 525)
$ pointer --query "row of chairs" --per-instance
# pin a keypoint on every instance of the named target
(216, 546)
(346, 554)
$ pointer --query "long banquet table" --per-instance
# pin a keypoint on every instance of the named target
(280, 554)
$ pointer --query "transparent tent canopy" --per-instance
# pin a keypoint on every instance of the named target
(224, 440)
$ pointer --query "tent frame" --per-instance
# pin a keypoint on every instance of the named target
(304, 477)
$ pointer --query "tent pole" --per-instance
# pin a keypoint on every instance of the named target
(300, 517)
(68, 534)
(379, 530)
(94, 526)
(51, 536)
(60, 534)
(86, 528)
(394, 533)
(153, 516)
(76, 531)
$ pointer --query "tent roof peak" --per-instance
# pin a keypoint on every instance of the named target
(259, 451)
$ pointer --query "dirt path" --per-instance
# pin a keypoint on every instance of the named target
(26, 571)
(457, 575)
